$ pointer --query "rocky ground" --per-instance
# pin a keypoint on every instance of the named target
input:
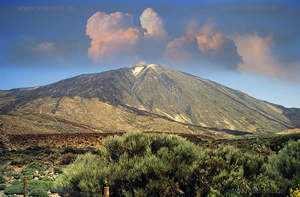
(76, 139)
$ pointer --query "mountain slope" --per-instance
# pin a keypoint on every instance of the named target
(160, 92)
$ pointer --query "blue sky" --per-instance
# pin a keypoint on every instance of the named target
(252, 46)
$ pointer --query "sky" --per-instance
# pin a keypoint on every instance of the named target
(251, 46)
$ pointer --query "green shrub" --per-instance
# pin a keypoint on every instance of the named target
(2, 179)
(227, 169)
(2, 187)
(135, 164)
(39, 192)
(287, 162)
(285, 167)
(57, 169)
(34, 165)
(17, 187)
(14, 189)
(28, 171)
(138, 164)
(53, 157)
(68, 158)
(21, 159)
(74, 150)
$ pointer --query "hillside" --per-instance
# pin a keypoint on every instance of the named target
(143, 97)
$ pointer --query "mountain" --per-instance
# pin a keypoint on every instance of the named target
(141, 97)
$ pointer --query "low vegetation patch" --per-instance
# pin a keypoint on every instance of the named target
(40, 192)
(2, 179)
(17, 187)
(2, 187)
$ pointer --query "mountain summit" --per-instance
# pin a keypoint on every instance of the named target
(154, 91)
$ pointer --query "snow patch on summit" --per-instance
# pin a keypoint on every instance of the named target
(139, 67)
(137, 70)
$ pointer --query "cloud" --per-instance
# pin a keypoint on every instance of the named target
(28, 52)
(111, 34)
(153, 23)
(115, 37)
(181, 51)
(45, 47)
(206, 37)
(259, 58)
(212, 46)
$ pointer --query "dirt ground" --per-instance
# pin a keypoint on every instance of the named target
(76, 139)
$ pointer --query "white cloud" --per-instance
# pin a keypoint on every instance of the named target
(153, 23)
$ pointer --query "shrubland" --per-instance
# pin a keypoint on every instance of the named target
(138, 164)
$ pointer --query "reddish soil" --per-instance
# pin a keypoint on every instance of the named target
(77, 139)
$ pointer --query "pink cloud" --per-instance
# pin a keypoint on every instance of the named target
(115, 37)
(259, 58)
(206, 36)
(203, 44)
(207, 42)
(181, 50)
(111, 34)
(153, 23)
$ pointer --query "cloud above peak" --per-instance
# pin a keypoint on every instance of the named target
(111, 34)
(114, 35)
(206, 36)
(153, 24)
(182, 51)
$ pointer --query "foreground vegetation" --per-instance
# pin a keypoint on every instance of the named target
(138, 164)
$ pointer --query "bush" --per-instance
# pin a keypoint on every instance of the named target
(287, 162)
(57, 169)
(2, 187)
(34, 165)
(138, 164)
(14, 189)
(2, 179)
(28, 172)
(39, 192)
(68, 158)
(135, 164)
(21, 159)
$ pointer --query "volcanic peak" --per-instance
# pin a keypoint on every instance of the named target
(140, 67)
